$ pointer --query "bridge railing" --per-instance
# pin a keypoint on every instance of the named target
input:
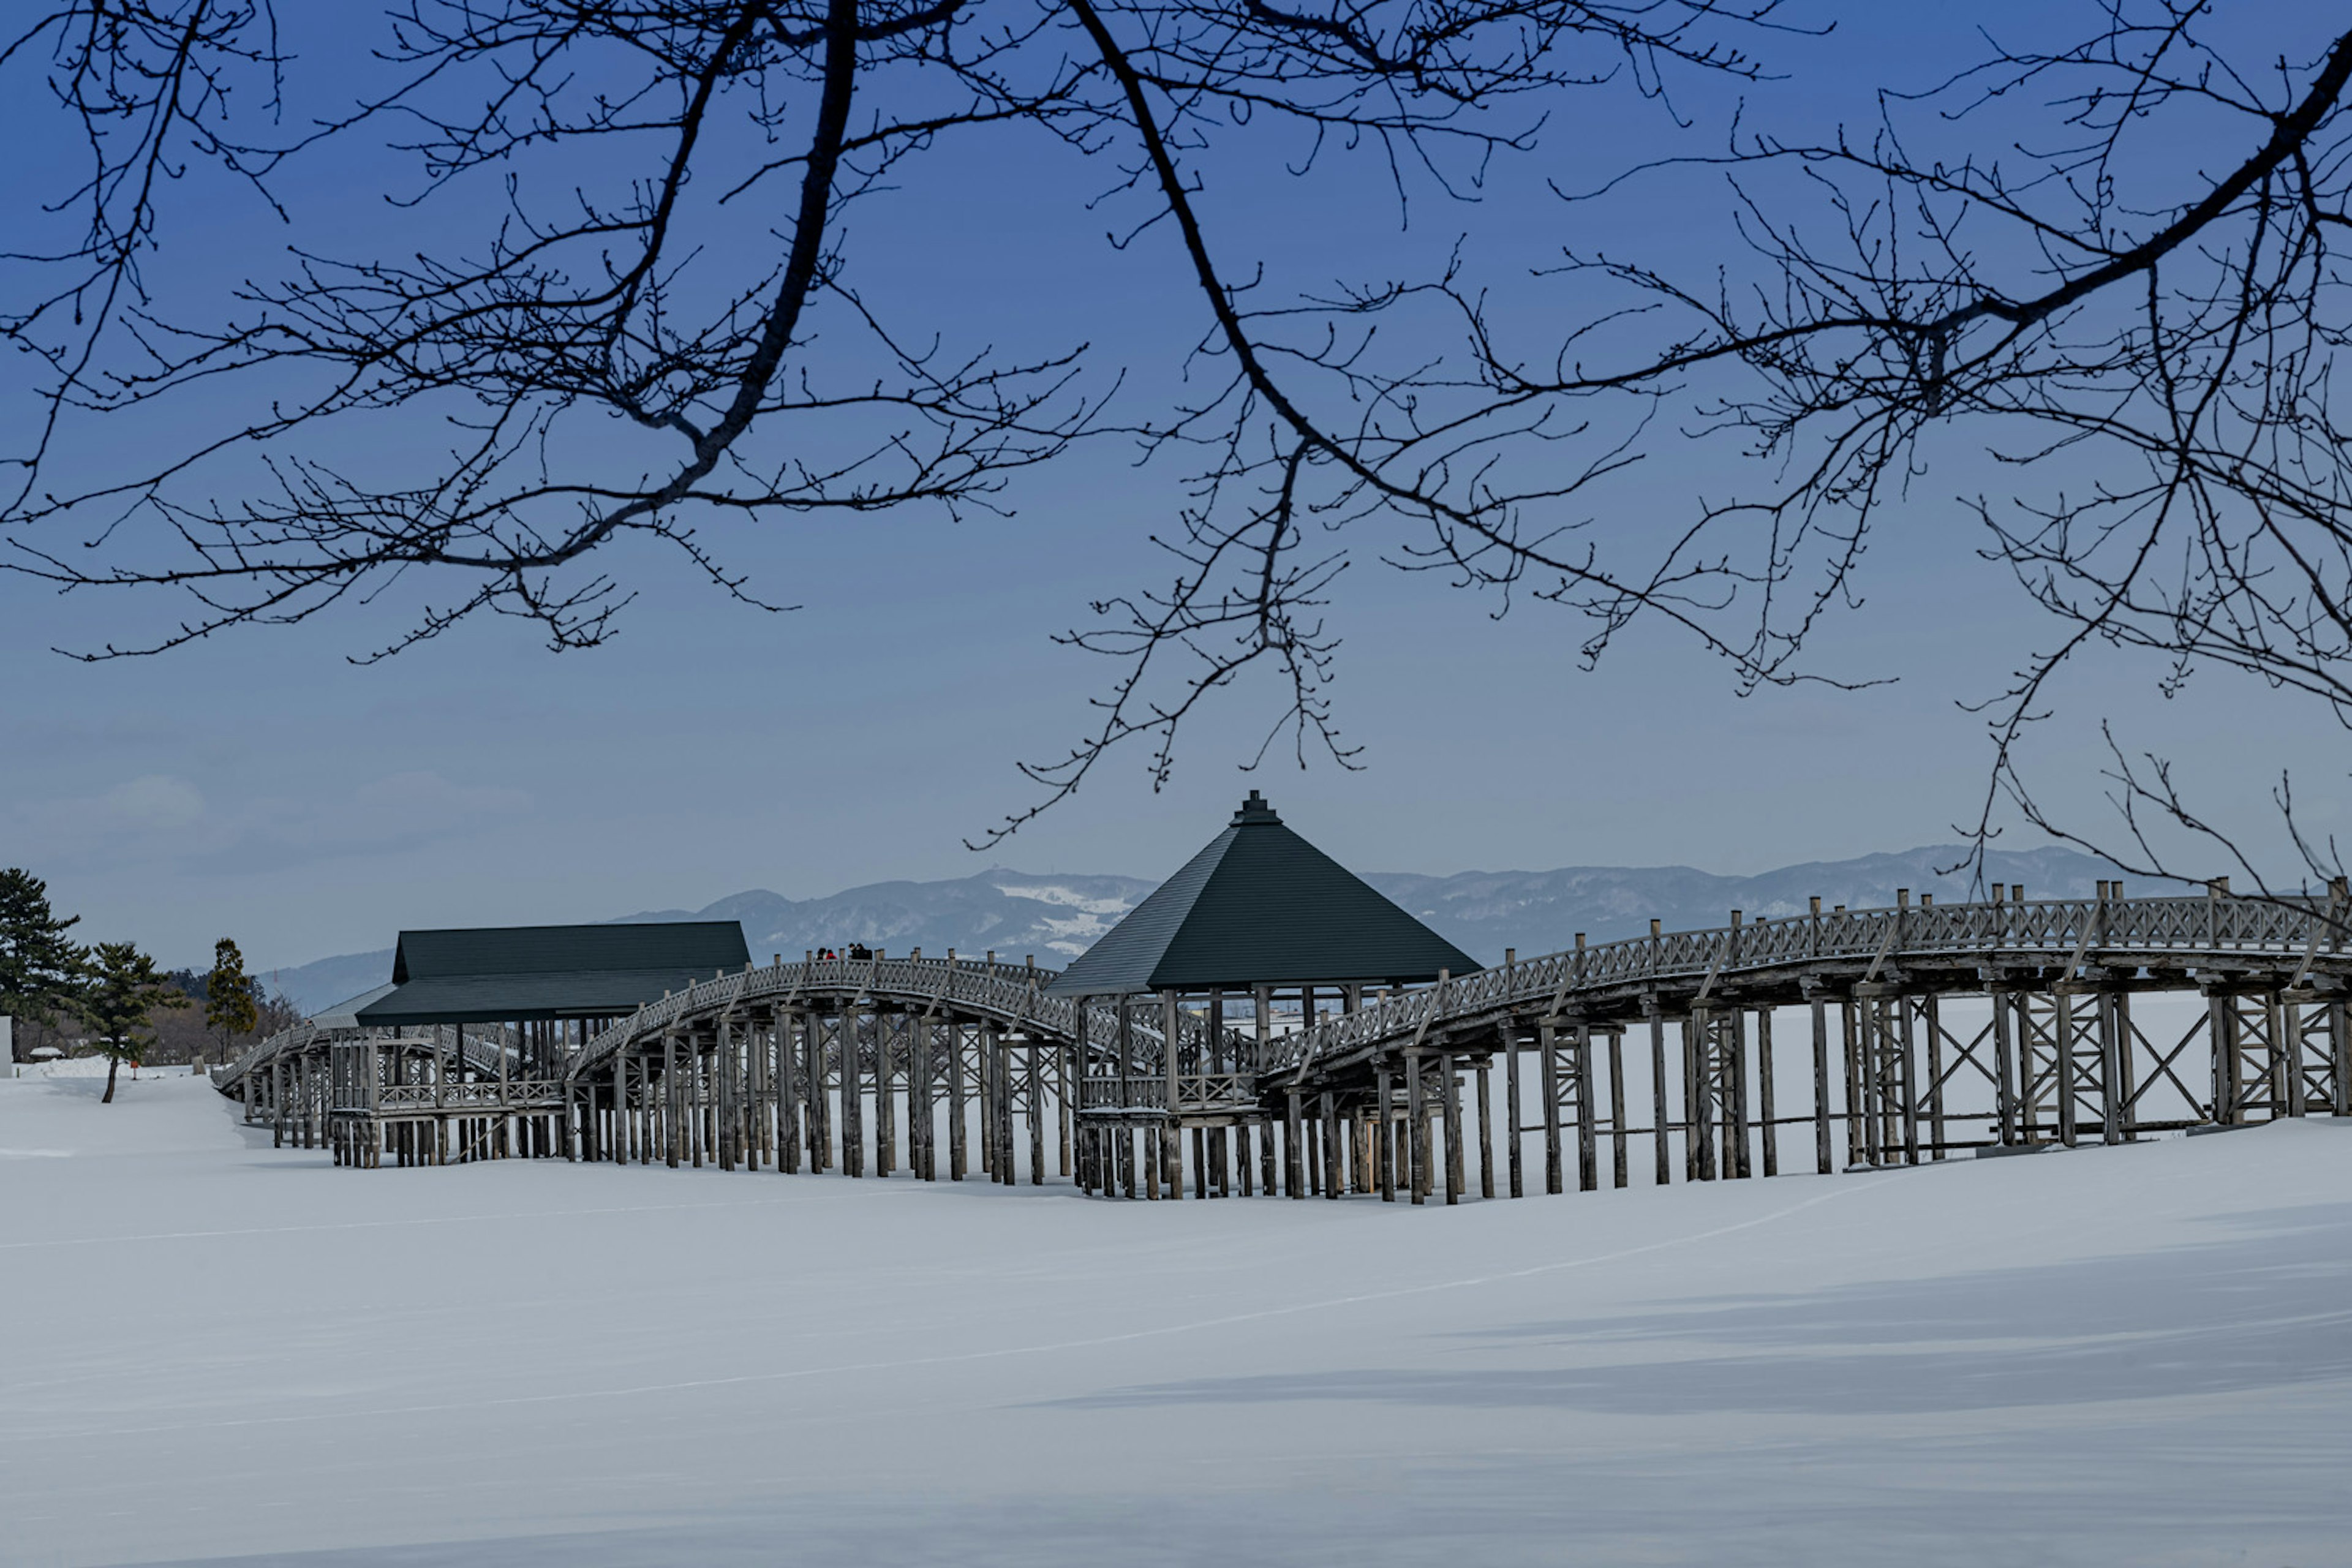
(2067, 928)
(483, 1095)
(1016, 995)
(484, 1046)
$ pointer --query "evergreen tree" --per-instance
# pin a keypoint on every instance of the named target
(230, 1008)
(123, 991)
(40, 969)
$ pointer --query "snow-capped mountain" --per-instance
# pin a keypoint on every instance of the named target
(1019, 914)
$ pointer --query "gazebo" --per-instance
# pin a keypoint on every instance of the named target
(533, 995)
(1261, 921)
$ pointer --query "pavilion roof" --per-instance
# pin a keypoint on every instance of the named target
(520, 973)
(1261, 905)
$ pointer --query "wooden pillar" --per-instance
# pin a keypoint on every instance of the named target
(1822, 1158)
(1453, 1107)
(1511, 1103)
(1329, 1125)
(2114, 1049)
(1587, 1153)
(788, 1093)
(1269, 1159)
(2128, 1084)
(1037, 1115)
(1931, 1010)
(1771, 1133)
(696, 1103)
(2339, 1051)
(2066, 1067)
(852, 1091)
(1172, 1033)
(1662, 1135)
(1065, 1114)
(1294, 1159)
(1547, 1048)
(1384, 1133)
(1857, 1103)
(886, 1099)
(1416, 1129)
(729, 1095)
(673, 1114)
(958, 1113)
(1485, 1132)
(1617, 1136)
(2005, 1079)
(1698, 1120)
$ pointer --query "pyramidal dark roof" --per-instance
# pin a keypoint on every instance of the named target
(1260, 905)
(518, 974)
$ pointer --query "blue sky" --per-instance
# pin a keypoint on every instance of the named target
(261, 785)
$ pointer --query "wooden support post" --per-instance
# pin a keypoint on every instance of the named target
(1617, 1136)
(1451, 1102)
(886, 1101)
(2127, 1085)
(1485, 1132)
(1931, 1011)
(1384, 1132)
(1510, 1101)
(2339, 1051)
(1064, 1112)
(1698, 1097)
(1856, 1096)
(853, 1089)
(2005, 1078)
(959, 1112)
(722, 1061)
(2066, 1067)
(1416, 1129)
(1906, 1048)
(1036, 1114)
(1328, 1135)
(1661, 1139)
(1823, 1160)
(1587, 1161)
(1547, 1048)
(673, 1113)
(1768, 1126)
(1171, 1020)
(1294, 1157)
(2116, 1068)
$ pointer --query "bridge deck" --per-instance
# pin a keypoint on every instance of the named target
(854, 1064)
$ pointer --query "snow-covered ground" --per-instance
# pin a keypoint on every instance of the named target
(211, 1349)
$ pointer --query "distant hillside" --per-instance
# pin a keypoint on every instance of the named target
(1056, 917)
(1016, 913)
(1483, 912)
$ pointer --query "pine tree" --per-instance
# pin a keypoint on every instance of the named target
(229, 1006)
(123, 990)
(40, 969)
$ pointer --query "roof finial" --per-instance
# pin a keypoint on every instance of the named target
(1254, 809)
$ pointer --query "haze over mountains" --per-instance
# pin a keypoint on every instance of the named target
(1054, 918)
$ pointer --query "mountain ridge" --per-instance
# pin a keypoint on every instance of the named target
(1053, 917)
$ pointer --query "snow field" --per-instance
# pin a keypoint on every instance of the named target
(210, 1348)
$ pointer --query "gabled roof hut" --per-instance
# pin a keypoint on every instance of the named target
(521, 973)
(1261, 905)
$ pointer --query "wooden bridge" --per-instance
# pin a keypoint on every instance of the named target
(1920, 1031)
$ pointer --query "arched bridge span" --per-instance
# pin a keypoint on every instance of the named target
(1918, 1032)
